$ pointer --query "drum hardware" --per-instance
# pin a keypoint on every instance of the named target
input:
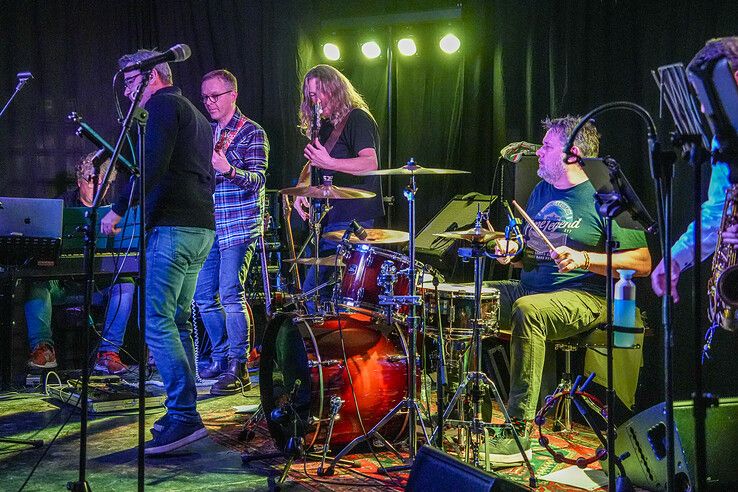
(336, 404)
(476, 428)
(412, 300)
(325, 363)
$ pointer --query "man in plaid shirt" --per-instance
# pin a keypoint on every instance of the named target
(240, 157)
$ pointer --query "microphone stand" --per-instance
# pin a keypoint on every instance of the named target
(140, 116)
(661, 163)
(21, 82)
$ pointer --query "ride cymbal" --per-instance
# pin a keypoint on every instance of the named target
(474, 235)
(327, 192)
(373, 236)
(412, 169)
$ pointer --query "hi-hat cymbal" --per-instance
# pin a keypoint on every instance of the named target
(474, 235)
(373, 236)
(324, 261)
(411, 169)
(327, 192)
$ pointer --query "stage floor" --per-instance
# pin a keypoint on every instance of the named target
(213, 463)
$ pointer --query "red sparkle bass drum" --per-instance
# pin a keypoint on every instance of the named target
(311, 352)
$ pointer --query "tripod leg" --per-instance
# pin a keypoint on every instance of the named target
(366, 436)
(286, 470)
(450, 407)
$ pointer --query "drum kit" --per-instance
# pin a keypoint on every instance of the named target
(343, 375)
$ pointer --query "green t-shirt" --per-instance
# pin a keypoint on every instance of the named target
(568, 218)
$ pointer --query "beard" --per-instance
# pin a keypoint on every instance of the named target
(552, 173)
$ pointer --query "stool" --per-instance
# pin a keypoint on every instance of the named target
(594, 339)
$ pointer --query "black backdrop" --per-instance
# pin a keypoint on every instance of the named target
(520, 62)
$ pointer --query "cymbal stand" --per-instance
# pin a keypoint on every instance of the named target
(475, 429)
(410, 402)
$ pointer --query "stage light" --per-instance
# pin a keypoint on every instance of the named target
(331, 51)
(407, 46)
(371, 49)
(450, 44)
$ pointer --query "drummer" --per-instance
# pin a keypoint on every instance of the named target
(355, 151)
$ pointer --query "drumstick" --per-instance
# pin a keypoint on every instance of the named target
(534, 226)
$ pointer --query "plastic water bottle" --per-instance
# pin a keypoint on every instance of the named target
(625, 308)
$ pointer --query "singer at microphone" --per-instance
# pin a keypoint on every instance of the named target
(180, 230)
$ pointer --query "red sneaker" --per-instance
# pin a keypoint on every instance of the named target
(110, 363)
(253, 361)
(43, 357)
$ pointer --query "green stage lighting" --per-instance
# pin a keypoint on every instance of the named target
(331, 51)
(407, 46)
(371, 49)
(450, 44)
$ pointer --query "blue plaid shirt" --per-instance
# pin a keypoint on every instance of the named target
(239, 202)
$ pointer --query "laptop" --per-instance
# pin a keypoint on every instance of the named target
(31, 217)
(30, 230)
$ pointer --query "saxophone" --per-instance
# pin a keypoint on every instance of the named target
(722, 288)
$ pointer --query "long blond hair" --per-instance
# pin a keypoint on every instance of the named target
(335, 85)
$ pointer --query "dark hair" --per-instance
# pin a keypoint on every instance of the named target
(223, 75)
(716, 48)
(588, 140)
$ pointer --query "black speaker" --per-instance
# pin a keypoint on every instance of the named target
(644, 437)
(459, 213)
(434, 470)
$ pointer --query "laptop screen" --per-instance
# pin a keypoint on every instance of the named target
(31, 217)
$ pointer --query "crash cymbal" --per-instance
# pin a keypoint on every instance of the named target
(373, 236)
(327, 192)
(324, 261)
(412, 169)
(474, 235)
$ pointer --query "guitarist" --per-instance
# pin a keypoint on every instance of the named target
(347, 143)
(239, 159)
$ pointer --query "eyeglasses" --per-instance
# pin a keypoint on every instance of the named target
(212, 98)
(128, 81)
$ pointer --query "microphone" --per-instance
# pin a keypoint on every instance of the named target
(23, 76)
(177, 53)
(515, 151)
(358, 230)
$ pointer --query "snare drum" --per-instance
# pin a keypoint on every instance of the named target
(456, 309)
(362, 278)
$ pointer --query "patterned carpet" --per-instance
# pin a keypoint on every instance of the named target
(303, 474)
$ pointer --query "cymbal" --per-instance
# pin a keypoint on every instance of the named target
(328, 192)
(324, 261)
(373, 236)
(411, 169)
(474, 235)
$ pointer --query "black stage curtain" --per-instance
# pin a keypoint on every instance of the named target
(520, 61)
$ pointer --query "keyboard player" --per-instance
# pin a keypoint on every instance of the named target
(41, 295)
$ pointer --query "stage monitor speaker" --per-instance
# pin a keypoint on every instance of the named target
(434, 470)
(459, 213)
(644, 437)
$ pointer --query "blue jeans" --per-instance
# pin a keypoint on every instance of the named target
(43, 295)
(327, 248)
(174, 257)
(221, 299)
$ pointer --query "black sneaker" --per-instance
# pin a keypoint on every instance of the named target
(503, 451)
(174, 436)
(160, 423)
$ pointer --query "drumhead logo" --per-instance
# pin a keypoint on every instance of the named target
(556, 220)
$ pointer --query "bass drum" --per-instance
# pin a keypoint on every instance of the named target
(311, 352)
